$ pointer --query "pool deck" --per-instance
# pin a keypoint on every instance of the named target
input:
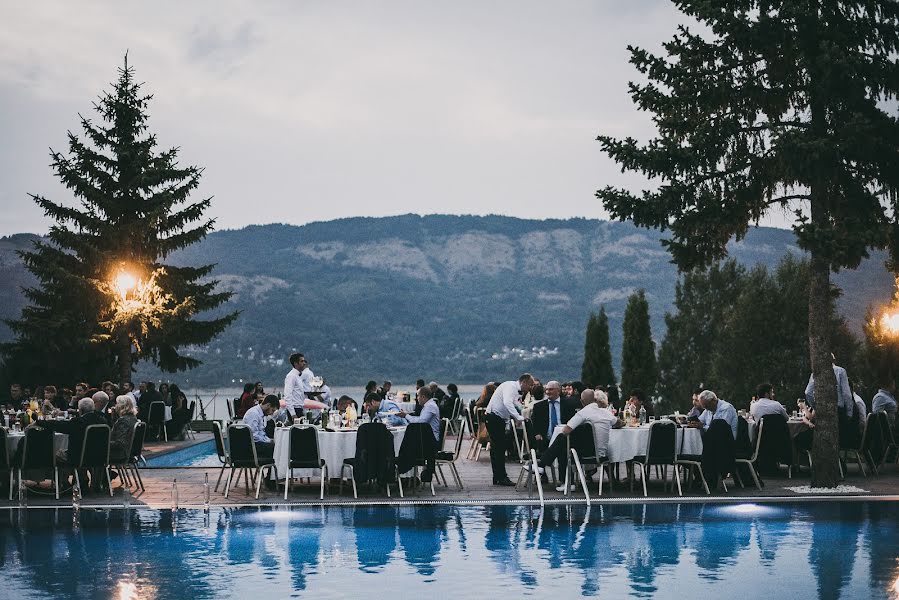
(475, 475)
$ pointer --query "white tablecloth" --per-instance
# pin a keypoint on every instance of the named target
(408, 407)
(628, 442)
(333, 446)
(60, 442)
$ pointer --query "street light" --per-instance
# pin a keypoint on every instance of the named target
(889, 323)
(124, 282)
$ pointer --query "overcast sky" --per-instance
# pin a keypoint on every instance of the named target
(310, 111)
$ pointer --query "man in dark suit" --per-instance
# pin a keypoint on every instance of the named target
(147, 397)
(548, 413)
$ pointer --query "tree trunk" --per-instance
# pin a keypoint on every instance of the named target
(123, 346)
(826, 441)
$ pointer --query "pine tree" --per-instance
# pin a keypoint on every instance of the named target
(638, 351)
(774, 106)
(86, 319)
(597, 368)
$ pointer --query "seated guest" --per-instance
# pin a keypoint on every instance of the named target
(247, 400)
(885, 401)
(256, 418)
(176, 428)
(259, 390)
(371, 390)
(448, 403)
(16, 396)
(596, 411)
(638, 400)
(149, 394)
(379, 408)
(101, 401)
(697, 408)
(120, 438)
(766, 404)
(550, 412)
(75, 429)
(112, 391)
(165, 393)
(325, 392)
(429, 413)
(384, 391)
(343, 402)
(53, 400)
(715, 408)
(860, 408)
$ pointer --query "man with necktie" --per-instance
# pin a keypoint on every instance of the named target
(548, 414)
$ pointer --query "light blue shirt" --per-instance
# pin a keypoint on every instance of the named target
(430, 413)
(255, 419)
(884, 402)
(844, 394)
(390, 406)
(724, 410)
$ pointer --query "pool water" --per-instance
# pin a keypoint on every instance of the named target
(814, 550)
(198, 455)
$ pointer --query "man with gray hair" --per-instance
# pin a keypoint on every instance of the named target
(715, 408)
(75, 428)
(101, 401)
(548, 413)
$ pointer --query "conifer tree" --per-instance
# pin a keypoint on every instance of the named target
(638, 351)
(597, 368)
(773, 106)
(105, 299)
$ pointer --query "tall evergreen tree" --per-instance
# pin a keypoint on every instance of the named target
(105, 300)
(774, 106)
(597, 368)
(638, 351)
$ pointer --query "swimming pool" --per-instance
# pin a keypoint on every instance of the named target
(826, 550)
(198, 455)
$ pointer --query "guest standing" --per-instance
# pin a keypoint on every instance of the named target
(503, 407)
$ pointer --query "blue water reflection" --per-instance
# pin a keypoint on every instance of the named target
(817, 550)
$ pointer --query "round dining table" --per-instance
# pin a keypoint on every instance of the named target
(627, 442)
(15, 438)
(333, 447)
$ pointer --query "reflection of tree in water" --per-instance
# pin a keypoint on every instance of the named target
(421, 532)
(720, 542)
(881, 535)
(506, 528)
(835, 531)
(375, 536)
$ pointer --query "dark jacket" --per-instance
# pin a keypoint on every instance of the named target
(75, 429)
(143, 404)
(374, 458)
(776, 445)
(540, 413)
(120, 441)
(419, 447)
(718, 451)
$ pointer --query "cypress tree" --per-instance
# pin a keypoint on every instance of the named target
(773, 106)
(638, 351)
(105, 299)
(597, 368)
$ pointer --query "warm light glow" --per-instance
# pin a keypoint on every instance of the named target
(124, 283)
(127, 591)
(889, 322)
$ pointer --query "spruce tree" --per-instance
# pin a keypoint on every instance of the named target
(773, 106)
(85, 319)
(597, 368)
(638, 351)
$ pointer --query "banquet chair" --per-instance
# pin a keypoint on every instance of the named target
(693, 462)
(156, 418)
(480, 440)
(749, 461)
(584, 437)
(303, 453)
(38, 453)
(373, 458)
(94, 455)
(123, 466)
(661, 449)
(192, 408)
(221, 451)
(418, 442)
(862, 449)
(888, 439)
(244, 458)
(5, 459)
(449, 458)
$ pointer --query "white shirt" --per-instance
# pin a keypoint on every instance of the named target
(724, 410)
(326, 394)
(504, 402)
(844, 394)
(255, 419)
(766, 406)
(294, 390)
(307, 376)
(862, 411)
(602, 420)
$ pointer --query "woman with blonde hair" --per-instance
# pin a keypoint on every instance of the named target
(120, 437)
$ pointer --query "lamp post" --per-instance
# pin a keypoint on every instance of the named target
(125, 284)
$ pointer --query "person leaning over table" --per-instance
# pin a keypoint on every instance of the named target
(596, 411)
(697, 408)
(503, 406)
(378, 409)
(766, 404)
(715, 408)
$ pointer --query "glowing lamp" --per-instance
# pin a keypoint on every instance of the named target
(124, 282)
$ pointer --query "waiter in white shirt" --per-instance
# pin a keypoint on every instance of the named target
(503, 406)
(294, 386)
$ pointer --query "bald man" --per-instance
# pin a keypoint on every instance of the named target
(549, 413)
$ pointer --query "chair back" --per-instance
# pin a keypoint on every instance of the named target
(303, 448)
(38, 452)
(156, 414)
(243, 450)
(4, 451)
(416, 442)
(875, 436)
(888, 437)
(192, 408)
(137, 442)
(230, 404)
(444, 427)
(759, 437)
(457, 409)
(219, 442)
(459, 438)
(583, 439)
(95, 447)
(661, 444)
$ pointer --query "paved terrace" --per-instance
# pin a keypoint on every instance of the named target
(476, 476)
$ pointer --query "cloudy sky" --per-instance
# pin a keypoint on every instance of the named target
(310, 111)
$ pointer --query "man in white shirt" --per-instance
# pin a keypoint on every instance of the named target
(256, 418)
(844, 393)
(766, 404)
(294, 385)
(595, 411)
(715, 408)
(503, 406)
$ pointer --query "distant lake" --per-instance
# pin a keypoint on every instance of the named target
(214, 400)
